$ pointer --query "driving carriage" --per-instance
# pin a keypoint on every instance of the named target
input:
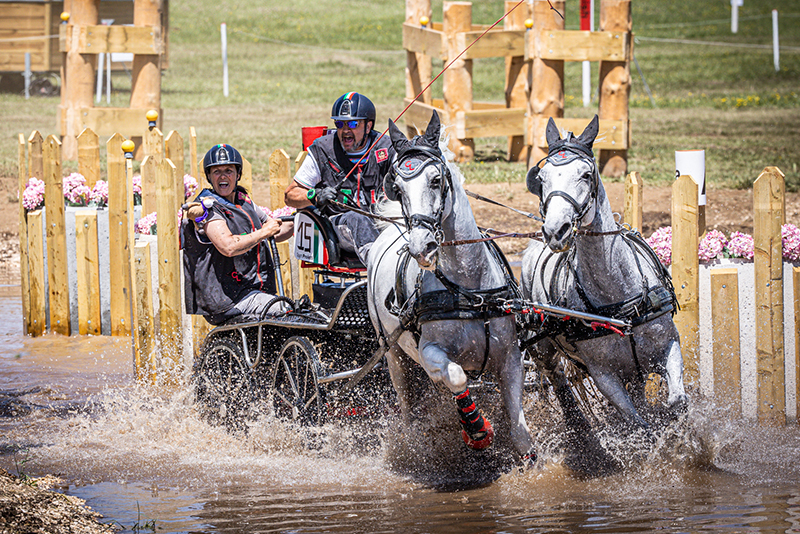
(438, 295)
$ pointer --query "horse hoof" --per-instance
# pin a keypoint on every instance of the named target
(481, 439)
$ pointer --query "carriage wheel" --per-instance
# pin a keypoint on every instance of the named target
(296, 393)
(223, 386)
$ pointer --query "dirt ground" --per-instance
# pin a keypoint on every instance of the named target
(727, 210)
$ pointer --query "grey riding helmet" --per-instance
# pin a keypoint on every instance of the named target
(353, 106)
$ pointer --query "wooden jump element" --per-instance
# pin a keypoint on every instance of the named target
(534, 59)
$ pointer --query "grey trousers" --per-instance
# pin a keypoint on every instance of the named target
(356, 233)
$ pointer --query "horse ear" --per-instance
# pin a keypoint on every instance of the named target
(551, 133)
(533, 181)
(399, 141)
(590, 132)
(433, 130)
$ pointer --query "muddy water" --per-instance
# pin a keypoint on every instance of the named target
(69, 407)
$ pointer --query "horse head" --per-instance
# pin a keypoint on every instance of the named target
(566, 184)
(420, 181)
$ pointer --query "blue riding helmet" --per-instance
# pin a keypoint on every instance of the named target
(222, 155)
(353, 106)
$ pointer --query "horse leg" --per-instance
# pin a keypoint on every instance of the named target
(549, 363)
(512, 377)
(677, 398)
(614, 390)
(477, 431)
(398, 364)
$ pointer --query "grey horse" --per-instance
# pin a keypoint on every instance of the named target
(589, 262)
(440, 306)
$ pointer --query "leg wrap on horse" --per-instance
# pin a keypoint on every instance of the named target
(477, 431)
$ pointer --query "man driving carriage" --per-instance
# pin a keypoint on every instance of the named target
(347, 167)
(227, 262)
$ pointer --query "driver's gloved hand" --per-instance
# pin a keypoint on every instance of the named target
(323, 196)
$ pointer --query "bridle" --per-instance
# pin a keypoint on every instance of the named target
(562, 153)
(407, 167)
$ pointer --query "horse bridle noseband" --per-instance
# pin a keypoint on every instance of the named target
(405, 171)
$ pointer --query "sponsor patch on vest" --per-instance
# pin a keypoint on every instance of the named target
(382, 154)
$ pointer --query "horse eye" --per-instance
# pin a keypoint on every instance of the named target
(436, 181)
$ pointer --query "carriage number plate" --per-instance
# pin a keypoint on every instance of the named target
(308, 243)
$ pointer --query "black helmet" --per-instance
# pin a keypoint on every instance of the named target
(222, 155)
(351, 106)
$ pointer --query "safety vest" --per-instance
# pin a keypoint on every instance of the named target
(364, 186)
(215, 282)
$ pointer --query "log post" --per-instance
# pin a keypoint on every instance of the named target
(193, 154)
(633, 201)
(279, 179)
(545, 77)
(57, 277)
(173, 149)
(725, 338)
(79, 75)
(418, 66)
(685, 273)
(768, 194)
(87, 265)
(89, 156)
(457, 86)
(146, 70)
(38, 323)
(154, 149)
(615, 84)
(144, 366)
(517, 77)
(169, 267)
(22, 166)
(120, 234)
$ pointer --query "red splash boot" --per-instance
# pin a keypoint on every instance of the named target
(477, 431)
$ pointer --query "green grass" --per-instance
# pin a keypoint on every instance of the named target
(289, 60)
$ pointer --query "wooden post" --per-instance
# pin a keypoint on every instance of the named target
(35, 162)
(418, 66)
(154, 149)
(685, 273)
(79, 76)
(120, 233)
(88, 272)
(305, 277)
(633, 201)
(193, 153)
(146, 69)
(615, 84)
(169, 266)
(38, 321)
(145, 328)
(89, 156)
(725, 332)
(457, 86)
(57, 277)
(545, 77)
(22, 166)
(796, 285)
(279, 178)
(516, 77)
(173, 150)
(768, 192)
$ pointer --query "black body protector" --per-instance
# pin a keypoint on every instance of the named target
(363, 187)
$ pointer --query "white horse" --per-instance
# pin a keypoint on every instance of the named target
(445, 305)
(589, 262)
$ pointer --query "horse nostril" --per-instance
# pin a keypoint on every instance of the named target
(562, 231)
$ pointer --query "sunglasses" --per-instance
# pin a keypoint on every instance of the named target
(350, 124)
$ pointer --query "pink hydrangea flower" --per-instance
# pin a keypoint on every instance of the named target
(99, 194)
(189, 185)
(790, 237)
(33, 196)
(740, 246)
(147, 224)
(661, 243)
(280, 212)
(76, 193)
(711, 246)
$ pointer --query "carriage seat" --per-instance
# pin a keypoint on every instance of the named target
(335, 258)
